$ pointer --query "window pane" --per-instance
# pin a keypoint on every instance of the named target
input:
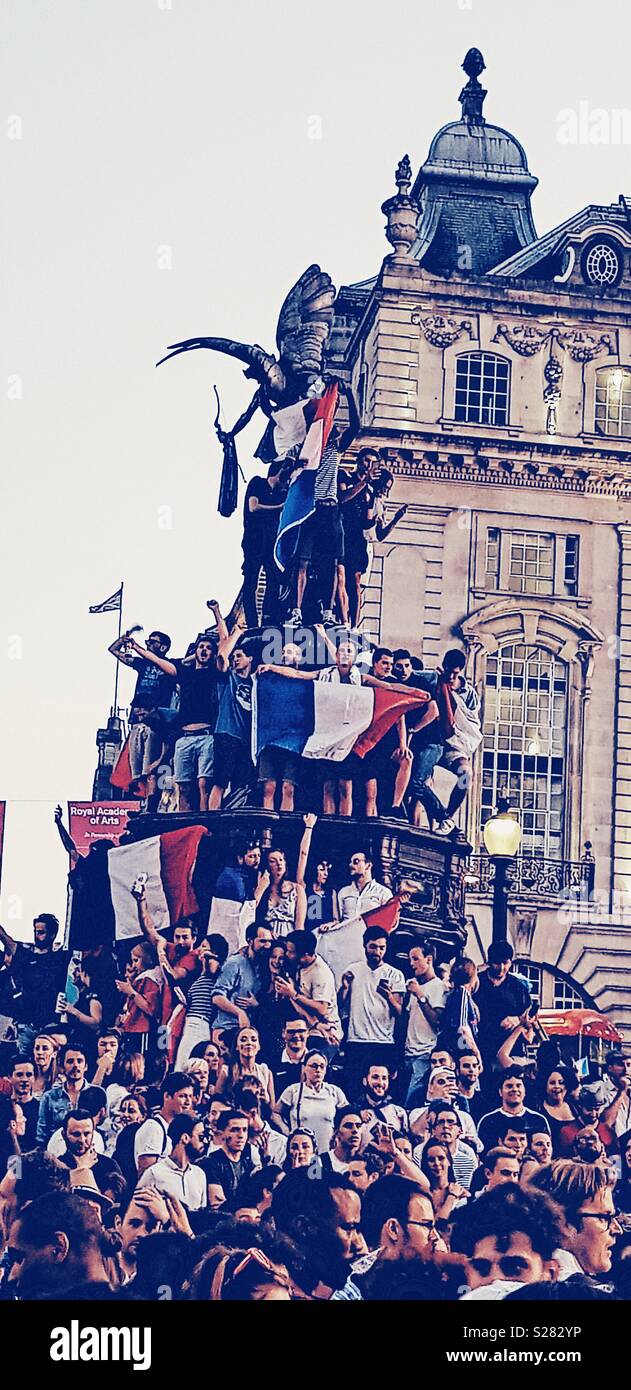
(524, 744)
(481, 395)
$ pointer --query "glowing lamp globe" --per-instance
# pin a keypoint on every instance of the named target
(502, 833)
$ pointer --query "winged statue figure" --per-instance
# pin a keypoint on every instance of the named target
(304, 326)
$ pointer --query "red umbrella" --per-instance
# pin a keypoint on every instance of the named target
(572, 1022)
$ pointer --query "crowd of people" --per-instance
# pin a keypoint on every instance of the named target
(193, 716)
(251, 1113)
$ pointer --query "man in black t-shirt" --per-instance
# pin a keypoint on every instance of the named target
(197, 678)
(39, 974)
(501, 997)
(264, 499)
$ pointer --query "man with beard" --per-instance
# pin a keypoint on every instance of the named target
(375, 1103)
(243, 978)
(78, 1133)
(64, 1095)
(56, 1250)
(398, 1221)
(38, 973)
(587, 1108)
(323, 1216)
(180, 1175)
(151, 1140)
(374, 992)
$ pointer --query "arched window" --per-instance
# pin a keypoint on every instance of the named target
(613, 401)
(566, 996)
(482, 388)
(525, 725)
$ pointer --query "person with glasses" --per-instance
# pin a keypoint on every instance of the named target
(312, 1102)
(200, 1005)
(509, 1238)
(445, 1125)
(398, 1223)
(584, 1194)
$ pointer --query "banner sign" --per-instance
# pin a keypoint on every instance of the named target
(98, 820)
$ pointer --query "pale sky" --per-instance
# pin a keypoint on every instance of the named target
(162, 183)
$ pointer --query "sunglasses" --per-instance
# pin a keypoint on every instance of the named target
(510, 1267)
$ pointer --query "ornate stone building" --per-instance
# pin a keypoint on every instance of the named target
(494, 367)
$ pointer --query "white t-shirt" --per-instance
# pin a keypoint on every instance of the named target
(152, 1140)
(314, 1110)
(317, 981)
(354, 902)
(421, 1037)
(188, 1185)
(57, 1145)
(371, 1020)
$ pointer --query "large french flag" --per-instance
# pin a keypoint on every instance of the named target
(324, 719)
(169, 862)
(319, 415)
(343, 942)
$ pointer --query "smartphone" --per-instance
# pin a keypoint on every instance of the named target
(140, 882)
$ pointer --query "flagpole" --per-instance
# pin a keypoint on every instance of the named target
(120, 628)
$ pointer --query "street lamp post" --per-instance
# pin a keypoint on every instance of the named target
(502, 835)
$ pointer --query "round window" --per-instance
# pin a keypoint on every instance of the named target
(602, 264)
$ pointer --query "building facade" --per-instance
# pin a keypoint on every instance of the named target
(493, 367)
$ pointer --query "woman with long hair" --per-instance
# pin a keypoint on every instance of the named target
(321, 896)
(44, 1058)
(554, 1103)
(239, 1276)
(301, 1150)
(210, 1052)
(243, 1063)
(131, 1114)
(274, 1010)
(283, 904)
(445, 1193)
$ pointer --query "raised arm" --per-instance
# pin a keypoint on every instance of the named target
(305, 846)
(353, 427)
(66, 839)
(9, 944)
(222, 630)
(120, 649)
(159, 661)
(383, 528)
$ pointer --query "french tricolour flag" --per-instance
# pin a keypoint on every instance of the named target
(319, 415)
(324, 719)
(168, 860)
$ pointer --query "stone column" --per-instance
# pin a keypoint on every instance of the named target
(622, 769)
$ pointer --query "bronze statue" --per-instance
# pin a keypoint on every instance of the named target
(304, 326)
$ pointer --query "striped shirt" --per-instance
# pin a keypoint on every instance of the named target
(199, 1003)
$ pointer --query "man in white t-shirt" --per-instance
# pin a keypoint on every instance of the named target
(340, 943)
(427, 1002)
(179, 1175)
(375, 993)
(152, 1141)
(363, 892)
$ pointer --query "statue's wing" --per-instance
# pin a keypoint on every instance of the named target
(259, 363)
(304, 323)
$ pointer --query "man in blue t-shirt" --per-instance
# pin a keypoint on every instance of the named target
(233, 733)
(154, 690)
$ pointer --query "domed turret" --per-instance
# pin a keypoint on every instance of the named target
(474, 190)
